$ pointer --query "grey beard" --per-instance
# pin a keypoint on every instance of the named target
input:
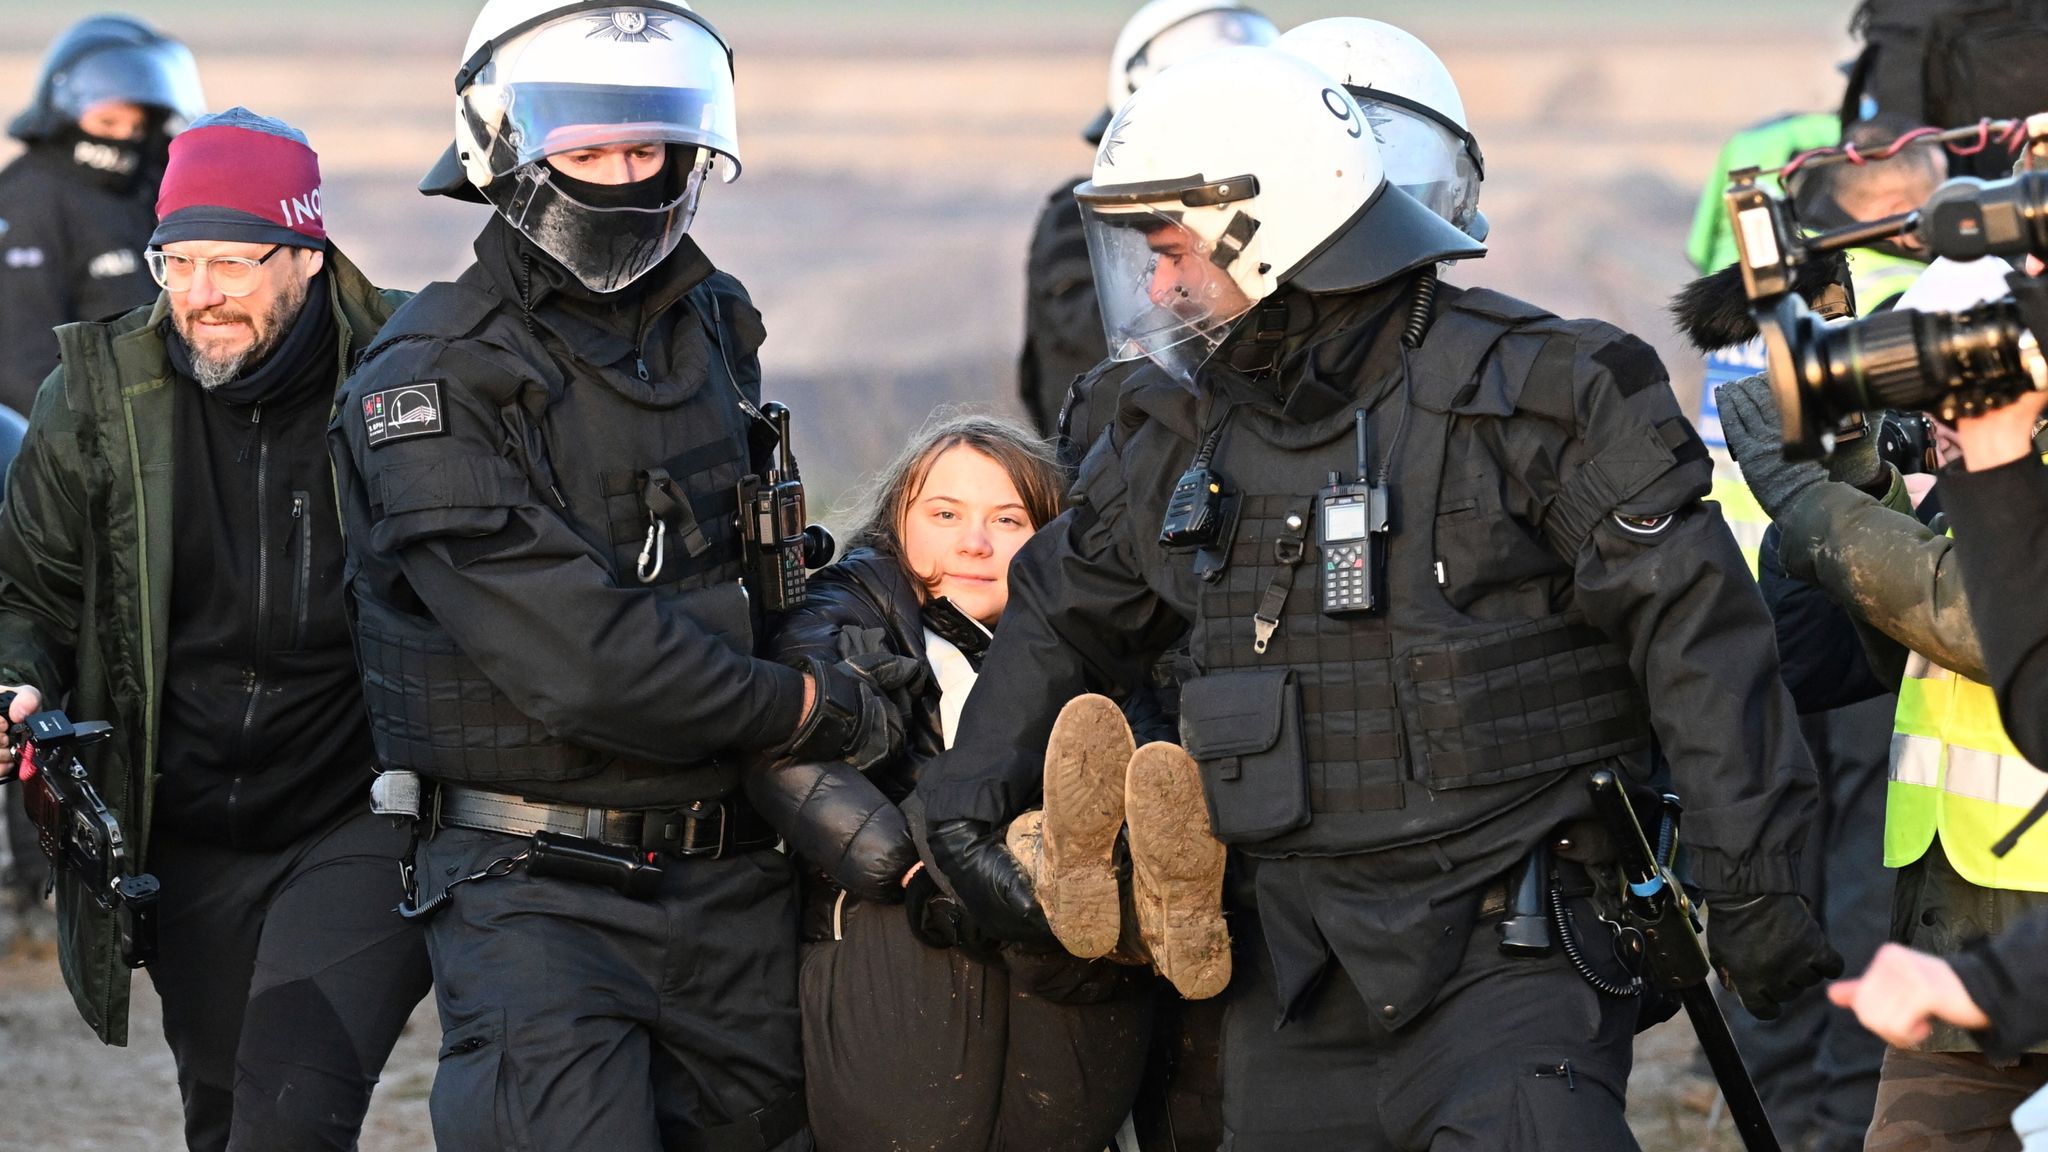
(211, 373)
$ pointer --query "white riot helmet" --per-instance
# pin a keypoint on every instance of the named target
(544, 77)
(1413, 106)
(1165, 32)
(1228, 176)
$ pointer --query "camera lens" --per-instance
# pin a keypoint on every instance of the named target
(1876, 364)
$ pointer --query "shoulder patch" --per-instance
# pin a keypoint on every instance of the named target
(408, 410)
(1634, 364)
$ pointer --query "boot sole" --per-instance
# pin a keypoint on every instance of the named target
(1084, 809)
(1177, 871)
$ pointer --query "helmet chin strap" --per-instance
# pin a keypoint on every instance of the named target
(1255, 345)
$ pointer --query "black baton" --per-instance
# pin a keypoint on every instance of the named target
(1675, 960)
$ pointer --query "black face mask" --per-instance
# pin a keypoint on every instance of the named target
(653, 192)
(106, 162)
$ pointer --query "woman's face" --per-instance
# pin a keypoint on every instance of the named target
(961, 530)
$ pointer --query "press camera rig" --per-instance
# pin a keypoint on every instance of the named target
(1953, 364)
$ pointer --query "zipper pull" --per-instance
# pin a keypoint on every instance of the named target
(640, 366)
(298, 517)
(256, 414)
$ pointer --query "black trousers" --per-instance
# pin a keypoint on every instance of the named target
(1815, 1066)
(285, 977)
(912, 1047)
(1514, 1055)
(576, 1017)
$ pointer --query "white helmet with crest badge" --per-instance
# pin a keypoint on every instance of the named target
(1413, 106)
(1165, 32)
(543, 77)
(1228, 176)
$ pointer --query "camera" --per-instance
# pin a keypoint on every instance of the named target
(77, 831)
(1953, 364)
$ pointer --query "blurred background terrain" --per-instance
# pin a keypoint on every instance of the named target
(897, 153)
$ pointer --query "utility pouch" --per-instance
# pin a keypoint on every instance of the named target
(1244, 728)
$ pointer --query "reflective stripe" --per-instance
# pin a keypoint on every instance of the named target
(2002, 780)
(1915, 760)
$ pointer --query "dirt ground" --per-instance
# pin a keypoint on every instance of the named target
(896, 154)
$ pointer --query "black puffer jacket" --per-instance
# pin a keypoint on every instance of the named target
(835, 817)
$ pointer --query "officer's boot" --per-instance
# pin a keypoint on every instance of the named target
(1072, 864)
(1176, 871)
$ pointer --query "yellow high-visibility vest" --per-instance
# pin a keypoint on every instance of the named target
(1955, 774)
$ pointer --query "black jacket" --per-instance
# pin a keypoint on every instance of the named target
(2000, 517)
(263, 738)
(70, 250)
(836, 818)
(501, 530)
(1094, 597)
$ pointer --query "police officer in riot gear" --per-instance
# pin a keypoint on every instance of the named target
(539, 465)
(1443, 554)
(1062, 329)
(77, 208)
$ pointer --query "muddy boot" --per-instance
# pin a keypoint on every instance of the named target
(1176, 871)
(1075, 879)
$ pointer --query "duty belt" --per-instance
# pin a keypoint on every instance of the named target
(703, 829)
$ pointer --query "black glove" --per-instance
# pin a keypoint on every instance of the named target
(853, 718)
(1749, 422)
(938, 921)
(1767, 948)
(990, 883)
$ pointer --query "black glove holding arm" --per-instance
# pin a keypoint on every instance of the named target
(1767, 948)
(989, 882)
(854, 718)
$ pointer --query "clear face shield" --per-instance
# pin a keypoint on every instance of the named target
(606, 247)
(1425, 158)
(1167, 277)
(1203, 32)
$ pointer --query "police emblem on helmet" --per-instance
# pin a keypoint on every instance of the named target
(632, 26)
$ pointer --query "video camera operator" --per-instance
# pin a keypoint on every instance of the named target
(1998, 500)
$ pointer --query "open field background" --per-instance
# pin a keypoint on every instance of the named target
(896, 154)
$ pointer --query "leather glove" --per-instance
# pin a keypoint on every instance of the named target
(938, 921)
(853, 718)
(988, 880)
(1749, 421)
(1767, 948)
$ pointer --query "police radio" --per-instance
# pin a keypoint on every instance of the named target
(779, 545)
(1351, 526)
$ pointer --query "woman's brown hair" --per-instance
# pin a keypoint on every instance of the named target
(1028, 461)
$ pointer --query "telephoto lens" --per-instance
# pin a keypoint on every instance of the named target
(1951, 364)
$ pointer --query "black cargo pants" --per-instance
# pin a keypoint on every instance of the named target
(575, 1016)
(286, 977)
(1514, 1055)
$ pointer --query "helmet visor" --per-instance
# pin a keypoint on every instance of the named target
(1202, 32)
(615, 76)
(1424, 159)
(605, 248)
(161, 75)
(1164, 279)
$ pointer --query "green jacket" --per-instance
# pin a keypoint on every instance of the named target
(85, 576)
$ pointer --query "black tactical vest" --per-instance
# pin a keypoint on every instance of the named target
(611, 464)
(1353, 734)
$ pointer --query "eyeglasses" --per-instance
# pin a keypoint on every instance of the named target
(234, 276)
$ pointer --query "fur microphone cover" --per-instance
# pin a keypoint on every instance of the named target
(1713, 312)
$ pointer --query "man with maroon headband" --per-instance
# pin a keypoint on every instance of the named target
(171, 561)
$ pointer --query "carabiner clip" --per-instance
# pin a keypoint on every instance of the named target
(654, 551)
